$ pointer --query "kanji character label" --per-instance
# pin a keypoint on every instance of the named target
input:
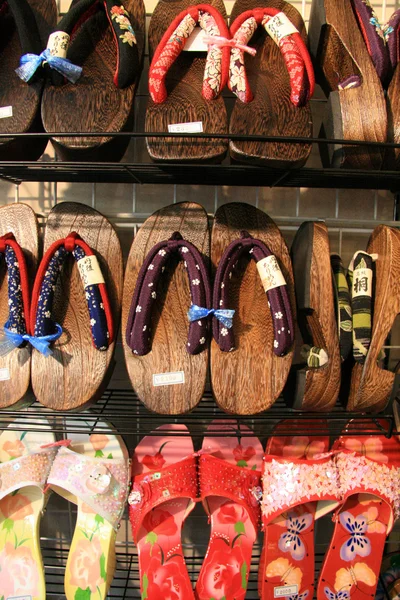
(58, 43)
(279, 27)
(362, 283)
(89, 270)
(270, 273)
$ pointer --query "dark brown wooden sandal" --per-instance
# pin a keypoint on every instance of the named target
(185, 87)
(24, 28)
(356, 108)
(272, 86)
(371, 384)
(107, 41)
(315, 385)
(251, 357)
(166, 278)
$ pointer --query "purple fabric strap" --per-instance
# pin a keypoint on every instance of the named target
(374, 36)
(138, 330)
(393, 38)
(278, 298)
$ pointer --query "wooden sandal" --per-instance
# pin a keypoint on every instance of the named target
(290, 509)
(92, 471)
(316, 385)
(273, 86)
(24, 28)
(371, 385)
(251, 360)
(166, 355)
(164, 493)
(25, 462)
(356, 107)
(109, 44)
(19, 244)
(185, 87)
(229, 477)
(75, 307)
(368, 478)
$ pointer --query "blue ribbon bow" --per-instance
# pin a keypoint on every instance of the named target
(41, 343)
(195, 313)
(29, 64)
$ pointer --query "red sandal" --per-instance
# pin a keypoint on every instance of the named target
(369, 481)
(164, 492)
(229, 471)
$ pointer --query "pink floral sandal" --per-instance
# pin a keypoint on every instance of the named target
(299, 486)
(92, 472)
(164, 492)
(24, 468)
(230, 471)
(369, 479)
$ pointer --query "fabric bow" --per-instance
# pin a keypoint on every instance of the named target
(195, 313)
(220, 42)
(41, 343)
(29, 64)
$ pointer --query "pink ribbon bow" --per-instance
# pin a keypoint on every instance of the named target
(221, 42)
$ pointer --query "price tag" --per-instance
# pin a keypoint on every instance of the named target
(89, 270)
(173, 378)
(195, 127)
(6, 111)
(195, 41)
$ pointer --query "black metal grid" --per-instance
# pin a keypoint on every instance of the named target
(128, 415)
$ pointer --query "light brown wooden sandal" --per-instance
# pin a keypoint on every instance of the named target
(166, 354)
(371, 385)
(75, 307)
(356, 108)
(316, 385)
(251, 357)
(19, 246)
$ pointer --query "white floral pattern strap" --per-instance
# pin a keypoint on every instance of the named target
(101, 483)
(287, 484)
(31, 469)
(359, 474)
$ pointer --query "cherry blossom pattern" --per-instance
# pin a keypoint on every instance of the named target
(121, 16)
(16, 317)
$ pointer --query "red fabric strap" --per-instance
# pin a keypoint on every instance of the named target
(9, 240)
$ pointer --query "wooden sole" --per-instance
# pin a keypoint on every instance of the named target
(356, 113)
(371, 386)
(22, 98)
(392, 156)
(94, 103)
(15, 367)
(271, 112)
(315, 388)
(169, 318)
(249, 379)
(77, 370)
(184, 103)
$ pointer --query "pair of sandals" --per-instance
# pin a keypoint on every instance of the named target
(77, 75)
(263, 58)
(92, 471)
(295, 482)
(356, 60)
(59, 317)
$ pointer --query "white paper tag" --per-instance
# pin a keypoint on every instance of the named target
(279, 27)
(58, 44)
(270, 273)
(195, 127)
(4, 374)
(285, 590)
(195, 41)
(173, 378)
(19, 598)
(6, 111)
(362, 283)
(89, 270)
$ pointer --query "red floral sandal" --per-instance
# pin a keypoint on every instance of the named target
(230, 471)
(299, 486)
(164, 492)
(369, 481)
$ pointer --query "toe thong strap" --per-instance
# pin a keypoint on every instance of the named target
(17, 323)
(290, 43)
(274, 285)
(138, 331)
(43, 328)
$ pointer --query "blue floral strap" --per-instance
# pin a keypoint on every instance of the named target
(101, 321)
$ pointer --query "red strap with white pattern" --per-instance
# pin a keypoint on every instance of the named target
(291, 44)
(173, 42)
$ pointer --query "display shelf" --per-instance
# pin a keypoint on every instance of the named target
(124, 411)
